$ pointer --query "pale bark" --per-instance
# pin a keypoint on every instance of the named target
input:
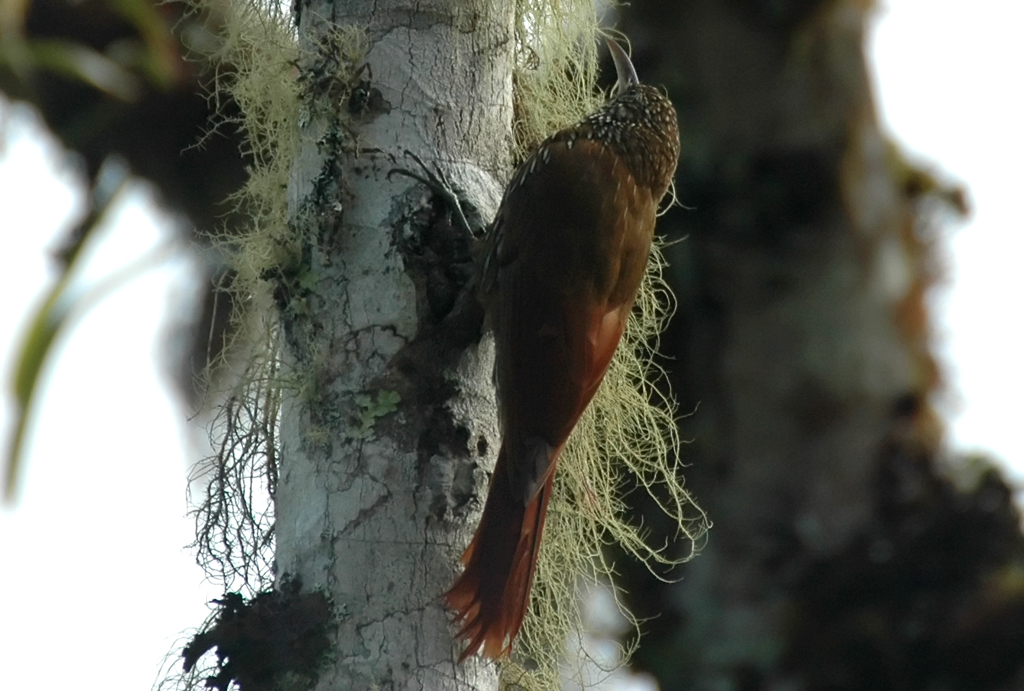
(374, 507)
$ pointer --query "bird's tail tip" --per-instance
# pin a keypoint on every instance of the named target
(490, 597)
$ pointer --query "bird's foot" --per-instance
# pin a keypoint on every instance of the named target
(465, 213)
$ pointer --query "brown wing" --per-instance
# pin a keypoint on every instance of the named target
(569, 249)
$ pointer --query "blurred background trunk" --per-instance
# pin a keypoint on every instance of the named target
(843, 554)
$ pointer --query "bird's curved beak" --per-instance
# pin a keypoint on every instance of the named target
(623, 67)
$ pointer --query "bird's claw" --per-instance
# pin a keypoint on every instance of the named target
(461, 208)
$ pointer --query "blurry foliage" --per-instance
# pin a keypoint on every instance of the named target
(139, 50)
(109, 79)
(63, 301)
(140, 54)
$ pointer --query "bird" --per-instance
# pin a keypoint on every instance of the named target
(561, 266)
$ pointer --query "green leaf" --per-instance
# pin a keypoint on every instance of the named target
(62, 303)
(81, 62)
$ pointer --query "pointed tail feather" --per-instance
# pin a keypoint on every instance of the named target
(491, 596)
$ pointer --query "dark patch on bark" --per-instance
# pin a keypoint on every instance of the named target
(294, 280)
(260, 641)
(444, 439)
(439, 257)
(366, 102)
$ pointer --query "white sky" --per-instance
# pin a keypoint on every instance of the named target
(950, 79)
(92, 554)
(93, 557)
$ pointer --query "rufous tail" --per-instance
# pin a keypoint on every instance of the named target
(490, 598)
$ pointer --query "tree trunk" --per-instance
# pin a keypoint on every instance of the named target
(386, 440)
